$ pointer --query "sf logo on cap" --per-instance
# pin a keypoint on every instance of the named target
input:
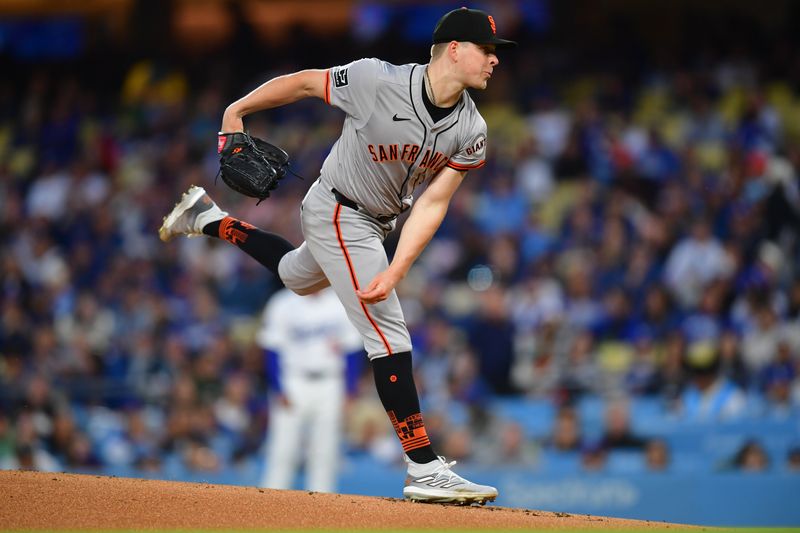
(491, 23)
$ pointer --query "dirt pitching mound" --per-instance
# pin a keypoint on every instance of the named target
(41, 500)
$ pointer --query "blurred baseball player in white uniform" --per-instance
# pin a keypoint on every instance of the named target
(310, 346)
(405, 126)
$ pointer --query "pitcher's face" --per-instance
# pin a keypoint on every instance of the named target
(477, 62)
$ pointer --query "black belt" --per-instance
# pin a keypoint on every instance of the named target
(347, 202)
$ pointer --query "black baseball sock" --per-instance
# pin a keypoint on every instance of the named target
(398, 393)
(266, 248)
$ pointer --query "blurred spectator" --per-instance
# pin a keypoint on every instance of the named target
(793, 311)
(80, 454)
(550, 126)
(760, 344)
(535, 239)
(232, 407)
(499, 209)
(514, 447)
(536, 369)
(594, 457)
(7, 452)
(704, 324)
(538, 300)
(572, 162)
(465, 383)
(198, 457)
(615, 321)
(782, 204)
(491, 335)
(730, 359)
(138, 443)
(751, 457)
(673, 375)
(611, 264)
(658, 318)
(696, 260)
(642, 376)
(778, 378)
(657, 456)
(505, 443)
(30, 451)
(41, 404)
(793, 460)
(658, 161)
(583, 310)
(63, 436)
(565, 435)
(149, 464)
(90, 322)
(709, 395)
(534, 175)
(617, 432)
(581, 373)
(641, 272)
(458, 444)
(438, 348)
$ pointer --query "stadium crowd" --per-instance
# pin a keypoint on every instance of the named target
(623, 242)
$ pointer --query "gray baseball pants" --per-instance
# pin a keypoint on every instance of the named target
(344, 248)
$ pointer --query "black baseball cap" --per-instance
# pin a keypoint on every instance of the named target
(472, 25)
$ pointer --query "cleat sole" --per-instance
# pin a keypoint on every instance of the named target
(452, 500)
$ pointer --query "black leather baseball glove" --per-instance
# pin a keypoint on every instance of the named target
(249, 165)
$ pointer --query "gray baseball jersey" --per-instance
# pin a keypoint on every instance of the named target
(389, 142)
(389, 145)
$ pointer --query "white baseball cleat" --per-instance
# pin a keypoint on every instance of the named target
(441, 485)
(190, 215)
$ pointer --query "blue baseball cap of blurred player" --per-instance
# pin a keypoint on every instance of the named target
(470, 25)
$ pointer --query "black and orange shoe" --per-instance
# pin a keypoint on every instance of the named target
(190, 215)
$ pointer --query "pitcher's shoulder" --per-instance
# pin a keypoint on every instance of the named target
(392, 72)
(471, 114)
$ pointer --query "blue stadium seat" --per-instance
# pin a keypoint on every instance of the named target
(535, 416)
(561, 463)
(685, 463)
(591, 412)
(649, 416)
(625, 462)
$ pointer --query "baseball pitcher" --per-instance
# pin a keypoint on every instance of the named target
(405, 126)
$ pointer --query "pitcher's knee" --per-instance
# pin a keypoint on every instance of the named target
(305, 289)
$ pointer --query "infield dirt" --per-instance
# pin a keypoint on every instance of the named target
(58, 501)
